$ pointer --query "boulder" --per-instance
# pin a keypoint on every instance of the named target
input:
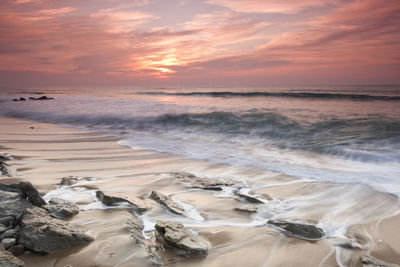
(192, 181)
(59, 208)
(28, 191)
(8, 242)
(248, 198)
(7, 259)
(43, 234)
(112, 200)
(368, 261)
(299, 230)
(12, 205)
(181, 240)
(167, 202)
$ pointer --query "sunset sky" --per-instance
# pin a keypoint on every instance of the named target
(199, 42)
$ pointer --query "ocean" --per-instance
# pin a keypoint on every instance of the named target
(344, 134)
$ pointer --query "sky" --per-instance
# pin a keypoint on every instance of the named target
(199, 42)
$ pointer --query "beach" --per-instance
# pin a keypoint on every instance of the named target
(357, 220)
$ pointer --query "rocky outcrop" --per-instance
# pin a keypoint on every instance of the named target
(182, 241)
(192, 181)
(167, 202)
(44, 234)
(303, 231)
(248, 198)
(31, 193)
(138, 204)
(59, 208)
(68, 181)
(368, 261)
(7, 259)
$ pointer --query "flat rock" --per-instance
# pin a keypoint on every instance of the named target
(248, 198)
(7, 259)
(44, 234)
(115, 198)
(30, 192)
(60, 208)
(303, 231)
(249, 208)
(12, 205)
(192, 181)
(368, 261)
(8, 242)
(167, 202)
(181, 240)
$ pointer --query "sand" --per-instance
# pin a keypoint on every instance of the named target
(353, 214)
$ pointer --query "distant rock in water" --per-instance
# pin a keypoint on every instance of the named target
(43, 234)
(303, 231)
(192, 181)
(181, 240)
(368, 261)
(33, 98)
(248, 198)
(59, 208)
(167, 202)
(138, 204)
(19, 99)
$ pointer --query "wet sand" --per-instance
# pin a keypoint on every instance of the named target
(357, 219)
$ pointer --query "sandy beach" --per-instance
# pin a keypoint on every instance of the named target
(362, 221)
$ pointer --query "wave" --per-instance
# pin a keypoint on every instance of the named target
(361, 139)
(323, 96)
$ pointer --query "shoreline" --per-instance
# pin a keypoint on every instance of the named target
(48, 152)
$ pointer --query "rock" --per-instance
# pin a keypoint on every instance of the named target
(167, 202)
(3, 228)
(7, 220)
(191, 181)
(32, 98)
(12, 205)
(248, 198)
(8, 242)
(4, 157)
(4, 170)
(28, 191)
(22, 99)
(182, 241)
(70, 180)
(135, 228)
(112, 200)
(246, 208)
(9, 260)
(15, 99)
(17, 250)
(10, 233)
(44, 98)
(368, 261)
(60, 208)
(43, 234)
(303, 231)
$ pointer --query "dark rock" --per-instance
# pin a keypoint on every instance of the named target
(10, 233)
(60, 208)
(12, 205)
(44, 98)
(8, 242)
(303, 231)
(167, 202)
(368, 261)
(15, 99)
(28, 191)
(9, 260)
(17, 250)
(3, 228)
(4, 169)
(246, 208)
(22, 99)
(32, 98)
(192, 181)
(182, 241)
(248, 198)
(138, 204)
(9, 188)
(43, 234)
(4, 157)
